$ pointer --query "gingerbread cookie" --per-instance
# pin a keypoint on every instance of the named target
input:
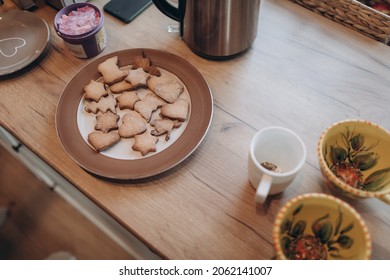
(121, 87)
(145, 63)
(127, 100)
(166, 88)
(141, 62)
(137, 77)
(110, 71)
(104, 104)
(94, 91)
(101, 141)
(176, 111)
(107, 121)
(148, 105)
(132, 124)
(145, 143)
(153, 70)
(164, 126)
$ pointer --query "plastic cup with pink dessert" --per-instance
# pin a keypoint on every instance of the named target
(81, 26)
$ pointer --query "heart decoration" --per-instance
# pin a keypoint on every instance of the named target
(9, 46)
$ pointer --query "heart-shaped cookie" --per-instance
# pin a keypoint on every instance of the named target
(132, 124)
(102, 141)
(9, 46)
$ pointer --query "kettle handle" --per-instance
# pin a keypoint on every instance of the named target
(172, 12)
(169, 10)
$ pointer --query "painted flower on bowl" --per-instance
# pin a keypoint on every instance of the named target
(354, 157)
(325, 237)
(349, 158)
(320, 227)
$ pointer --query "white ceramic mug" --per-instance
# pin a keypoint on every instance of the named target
(274, 147)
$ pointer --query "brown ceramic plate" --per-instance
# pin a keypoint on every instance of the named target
(197, 124)
(23, 37)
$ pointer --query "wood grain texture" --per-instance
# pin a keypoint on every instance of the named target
(303, 72)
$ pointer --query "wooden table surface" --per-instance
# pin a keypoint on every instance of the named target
(303, 72)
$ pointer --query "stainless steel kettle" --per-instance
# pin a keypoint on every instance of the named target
(215, 28)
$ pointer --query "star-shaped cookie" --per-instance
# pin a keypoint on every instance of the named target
(104, 104)
(94, 91)
(107, 121)
(145, 143)
(137, 77)
(148, 105)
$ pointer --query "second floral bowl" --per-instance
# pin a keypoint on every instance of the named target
(320, 227)
(354, 158)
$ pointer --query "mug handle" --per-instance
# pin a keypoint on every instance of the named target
(263, 188)
(385, 198)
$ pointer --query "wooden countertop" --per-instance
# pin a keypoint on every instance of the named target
(303, 72)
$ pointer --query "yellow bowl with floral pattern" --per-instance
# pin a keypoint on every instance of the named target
(354, 158)
(322, 227)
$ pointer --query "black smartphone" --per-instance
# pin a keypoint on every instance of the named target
(126, 10)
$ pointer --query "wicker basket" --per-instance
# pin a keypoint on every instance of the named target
(354, 15)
